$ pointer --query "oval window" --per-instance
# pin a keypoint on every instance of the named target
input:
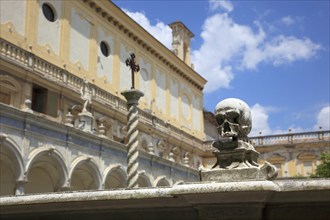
(105, 49)
(49, 12)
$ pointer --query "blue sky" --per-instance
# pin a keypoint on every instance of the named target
(274, 55)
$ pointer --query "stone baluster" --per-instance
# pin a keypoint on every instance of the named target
(151, 149)
(101, 130)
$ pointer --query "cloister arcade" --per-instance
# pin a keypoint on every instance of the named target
(46, 170)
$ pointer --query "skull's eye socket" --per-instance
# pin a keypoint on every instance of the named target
(220, 119)
(233, 117)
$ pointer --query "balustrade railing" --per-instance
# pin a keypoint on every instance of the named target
(57, 74)
(291, 138)
(13, 52)
(285, 139)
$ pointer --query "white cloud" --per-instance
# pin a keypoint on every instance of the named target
(293, 129)
(161, 31)
(221, 4)
(224, 42)
(287, 20)
(280, 50)
(288, 49)
(229, 47)
(260, 120)
(323, 118)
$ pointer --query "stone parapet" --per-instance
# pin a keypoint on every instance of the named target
(285, 199)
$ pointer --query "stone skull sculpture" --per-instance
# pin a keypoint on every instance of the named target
(234, 118)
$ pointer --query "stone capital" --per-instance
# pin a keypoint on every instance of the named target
(132, 96)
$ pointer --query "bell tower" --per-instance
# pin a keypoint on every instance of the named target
(181, 38)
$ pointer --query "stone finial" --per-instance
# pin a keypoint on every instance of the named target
(101, 130)
(69, 119)
(27, 107)
(171, 157)
(151, 149)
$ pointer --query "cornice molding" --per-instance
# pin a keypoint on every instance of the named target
(122, 21)
(42, 68)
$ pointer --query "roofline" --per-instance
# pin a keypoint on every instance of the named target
(180, 22)
(113, 14)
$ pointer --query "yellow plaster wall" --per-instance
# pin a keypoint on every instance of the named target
(29, 41)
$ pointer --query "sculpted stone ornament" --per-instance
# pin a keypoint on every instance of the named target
(85, 117)
(236, 158)
(85, 95)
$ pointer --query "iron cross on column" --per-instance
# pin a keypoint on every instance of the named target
(134, 67)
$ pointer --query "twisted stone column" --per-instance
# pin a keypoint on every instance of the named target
(132, 96)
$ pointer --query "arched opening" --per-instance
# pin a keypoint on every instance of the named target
(144, 181)
(185, 53)
(180, 182)
(46, 172)
(40, 179)
(115, 179)
(7, 173)
(162, 181)
(11, 168)
(85, 176)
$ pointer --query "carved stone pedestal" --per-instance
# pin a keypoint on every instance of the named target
(262, 172)
(237, 161)
(85, 121)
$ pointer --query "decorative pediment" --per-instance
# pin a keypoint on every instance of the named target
(9, 83)
(276, 158)
(307, 156)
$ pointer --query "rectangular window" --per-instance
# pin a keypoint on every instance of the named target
(44, 101)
